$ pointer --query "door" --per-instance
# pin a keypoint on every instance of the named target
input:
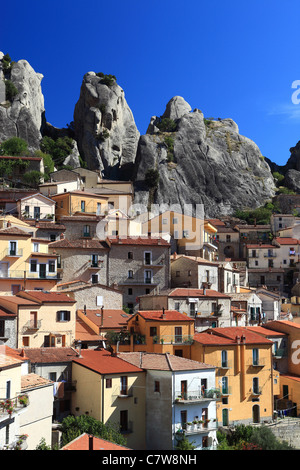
(36, 212)
(3, 269)
(225, 420)
(256, 414)
(33, 319)
(13, 248)
(183, 386)
(42, 271)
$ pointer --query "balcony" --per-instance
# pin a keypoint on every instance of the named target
(270, 255)
(23, 274)
(11, 252)
(12, 406)
(173, 339)
(257, 362)
(225, 364)
(191, 397)
(280, 353)
(137, 280)
(31, 325)
(256, 391)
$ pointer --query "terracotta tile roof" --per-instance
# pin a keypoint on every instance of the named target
(84, 333)
(170, 315)
(102, 362)
(186, 292)
(9, 357)
(42, 296)
(84, 442)
(80, 243)
(6, 313)
(138, 241)
(262, 246)
(156, 361)
(112, 318)
(210, 339)
(49, 355)
(196, 259)
(231, 333)
(260, 330)
(31, 381)
(287, 241)
(14, 231)
(13, 299)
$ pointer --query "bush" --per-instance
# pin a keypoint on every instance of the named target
(14, 147)
(152, 178)
(108, 80)
(167, 125)
(10, 90)
(58, 149)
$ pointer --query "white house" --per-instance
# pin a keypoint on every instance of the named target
(36, 206)
(180, 400)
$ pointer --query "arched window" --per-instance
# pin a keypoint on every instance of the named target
(224, 358)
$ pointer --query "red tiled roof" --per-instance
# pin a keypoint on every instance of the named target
(14, 231)
(186, 292)
(83, 442)
(287, 241)
(229, 335)
(46, 355)
(80, 243)
(166, 361)
(257, 245)
(169, 315)
(31, 381)
(42, 296)
(112, 318)
(138, 241)
(102, 362)
(264, 331)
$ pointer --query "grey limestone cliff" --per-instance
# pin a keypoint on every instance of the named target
(209, 163)
(105, 129)
(22, 115)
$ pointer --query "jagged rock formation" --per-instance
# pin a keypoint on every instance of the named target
(104, 126)
(23, 115)
(210, 164)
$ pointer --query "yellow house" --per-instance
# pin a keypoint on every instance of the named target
(44, 319)
(112, 391)
(244, 374)
(79, 202)
(25, 262)
(159, 331)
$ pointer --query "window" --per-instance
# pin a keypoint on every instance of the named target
(192, 309)
(224, 358)
(228, 238)
(189, 272)
(8, 389)
(130, 274)
(225, 385)
(94, 261)
(148, 257)
(123, 385)
(177, 306)
(108, 383)
(185, 234)
(36, 212)
(63, 315)
(86, 230)
(27, 211)
(153, 331)
(12, 248)
(33, 265)
(94, 278)
(148, 277)
(156, 386)
(255, 386)
(130, 291)
(36, 247)
(53, 376)
(123, 420)
(51, 266)
(2, 328)
(130, 255)
(52, 237)
(164, 221)
(82, 206)
(255, 357)
(175, 220)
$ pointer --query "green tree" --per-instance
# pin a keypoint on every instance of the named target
(74, 426)
(33, 178)
(59, 149)
(152, 178)
(15, 146)
(167, 125)
(10, 90)
(247, 437)
(48, 163)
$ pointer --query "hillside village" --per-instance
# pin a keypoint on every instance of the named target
(166, 325)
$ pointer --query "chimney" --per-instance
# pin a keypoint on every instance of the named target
(163, 313)
(79, 348)
(90, 442)
(237, 338)
(243, 338)
(62, 236)
(175, 255)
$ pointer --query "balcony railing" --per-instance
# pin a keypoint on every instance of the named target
(173, 339)
(12, 252)
(32, 325)
(197, 395)
(256, 362)
(11, 406)
(23, 274)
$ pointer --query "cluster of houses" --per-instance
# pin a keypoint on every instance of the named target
(164, 324)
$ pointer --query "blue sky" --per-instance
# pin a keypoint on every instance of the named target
(233, 59)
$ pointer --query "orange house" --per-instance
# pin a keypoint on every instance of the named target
(160, 331)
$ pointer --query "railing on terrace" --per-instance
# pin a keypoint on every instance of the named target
(10, 406)
(280, 353)
(198, 395)
(173, 339)
(22, 274)
(32, 325)
(258, 362)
